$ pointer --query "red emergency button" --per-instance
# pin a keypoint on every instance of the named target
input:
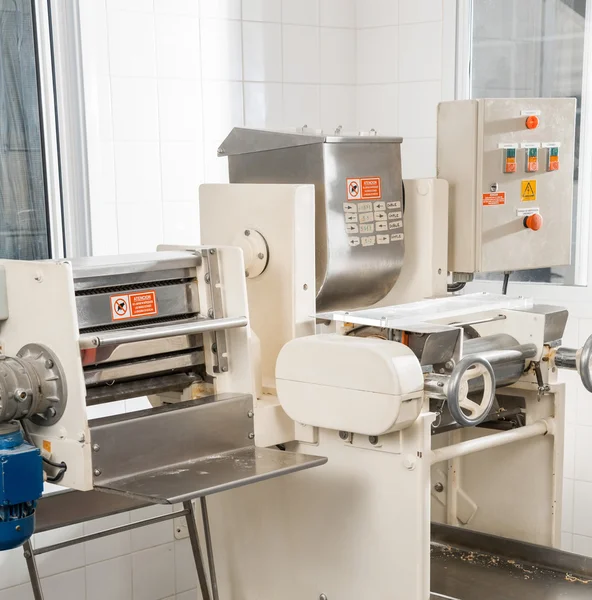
(534, 222)
(532, 122)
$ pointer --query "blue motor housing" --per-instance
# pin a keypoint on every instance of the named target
(21, 485)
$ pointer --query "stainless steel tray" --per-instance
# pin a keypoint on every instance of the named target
(473, 566)
(176, 453)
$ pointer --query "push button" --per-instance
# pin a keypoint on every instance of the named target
(510, 160)
(532, 122)
(532, 160)
(533, 222)
(553, 164)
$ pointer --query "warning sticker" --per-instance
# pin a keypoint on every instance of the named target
(47, 446)
(529, 190)
(133, 306)
(494, 199)
(364, 188)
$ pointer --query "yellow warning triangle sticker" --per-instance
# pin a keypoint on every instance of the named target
(529, 190)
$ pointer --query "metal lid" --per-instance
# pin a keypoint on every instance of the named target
(242, 140)
(100, 266)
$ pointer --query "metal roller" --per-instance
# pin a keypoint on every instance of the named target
(504, 353)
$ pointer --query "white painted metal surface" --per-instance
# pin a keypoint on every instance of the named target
(362, 385)
(425, 271)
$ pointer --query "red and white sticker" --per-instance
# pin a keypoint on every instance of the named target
(494, 199)
(133, 306)
(364, 188)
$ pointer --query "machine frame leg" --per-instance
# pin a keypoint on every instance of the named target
(195, 547)
(209, 547)
(33, 572)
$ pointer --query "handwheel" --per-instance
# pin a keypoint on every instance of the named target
(585, 364)
(459, 403)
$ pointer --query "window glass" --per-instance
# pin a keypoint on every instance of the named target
(24, 232)
(532, 48)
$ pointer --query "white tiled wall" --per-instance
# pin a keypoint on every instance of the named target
(174, 77)
(402, 74)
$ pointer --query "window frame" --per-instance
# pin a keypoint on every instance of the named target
(62, 107)
(579, 291)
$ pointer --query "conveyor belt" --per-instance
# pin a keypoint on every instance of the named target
(467, 566)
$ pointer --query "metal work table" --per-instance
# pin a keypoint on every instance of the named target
(465, 565)
(472, 566)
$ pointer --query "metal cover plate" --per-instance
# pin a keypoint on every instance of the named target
(211, 474)
(416, 316)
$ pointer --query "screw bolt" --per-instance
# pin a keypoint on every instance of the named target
(211, 313)
(439, 487)
(97, 472)
(51, 412)
(373, 439)
(20, 395)
(18, 528)
(212, 251)
(96, 448)
(323, 597)
(49, 364)
(449, 365)
(344, 435)
(207, 278)
(260, 256)
(251, 436)
(305, 287)
(224, 369)
(250, 414)
(247, 232)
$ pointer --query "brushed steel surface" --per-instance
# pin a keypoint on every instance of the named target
(555, 321)
(148, 386)
(213, 450)
(109, 373)
(211, 474)
(132, 265)
(130, 351)
(95, 310)
(158, 332)
(346, 276)
(70, 507)
(243, 141)
(467, 565)
(504, 354)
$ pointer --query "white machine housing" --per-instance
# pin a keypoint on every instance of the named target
(361, 385)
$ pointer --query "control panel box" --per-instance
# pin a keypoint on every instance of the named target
(510, 167)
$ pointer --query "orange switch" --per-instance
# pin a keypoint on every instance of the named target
(532, 122)
(534, 222)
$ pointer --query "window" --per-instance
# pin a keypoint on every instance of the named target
(536, 48)
(43, 170)
(24, 231)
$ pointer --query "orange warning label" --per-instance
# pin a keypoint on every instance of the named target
(364, 188)
(494, 199)
(47, 446)
(133, 306)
